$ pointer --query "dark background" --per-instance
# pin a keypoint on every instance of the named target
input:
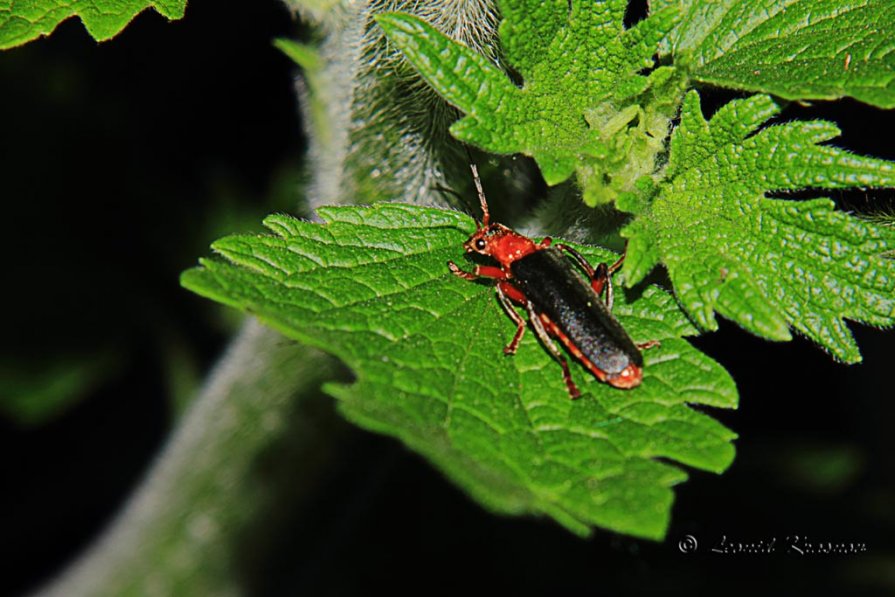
(122, 161)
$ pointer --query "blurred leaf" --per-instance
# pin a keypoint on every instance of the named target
(180, 368)
(308, 58)
(820, 468)
(33, 394)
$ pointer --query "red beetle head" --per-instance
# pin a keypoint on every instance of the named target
(487, 238)
(495, 240)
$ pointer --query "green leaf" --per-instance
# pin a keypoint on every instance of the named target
(24, 20)
(767, 264)
(584, 106)
(371, 286)
(308, 58)
(795, 49)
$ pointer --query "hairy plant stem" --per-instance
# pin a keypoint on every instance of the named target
(187, 527)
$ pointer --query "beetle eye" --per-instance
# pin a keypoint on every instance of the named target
(480, 245)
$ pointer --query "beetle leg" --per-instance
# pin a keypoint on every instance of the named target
(617, 265)
(544, 337)
(545, 243)
(502, 295)
(605, 273)
(511, 292)
(455, 269)
(600, 277)
(582, 261)
(481, 271)
(648, 344)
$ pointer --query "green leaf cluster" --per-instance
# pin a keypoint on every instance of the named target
(582, 94)
(766, 263)
(583, 107)
(699, 197)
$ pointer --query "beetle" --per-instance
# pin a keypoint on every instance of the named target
(557, 300)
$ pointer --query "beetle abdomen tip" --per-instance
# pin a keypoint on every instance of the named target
(627, 378)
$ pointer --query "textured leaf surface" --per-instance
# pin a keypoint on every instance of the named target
(24, 20)
(371, 286)
(768, 264)
(578, 108)
(795, 49)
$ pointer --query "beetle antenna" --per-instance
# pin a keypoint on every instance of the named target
(486, 218)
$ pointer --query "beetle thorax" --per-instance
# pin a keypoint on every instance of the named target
(510, 246)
